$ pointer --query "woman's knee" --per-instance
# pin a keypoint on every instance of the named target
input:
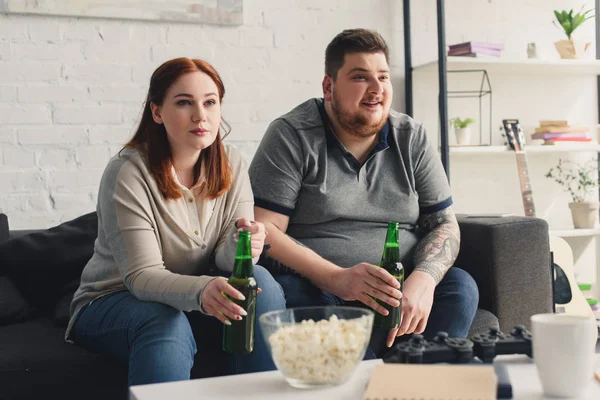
(168, 325)
(272, 296)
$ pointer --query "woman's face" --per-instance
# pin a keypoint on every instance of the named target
(190, 112)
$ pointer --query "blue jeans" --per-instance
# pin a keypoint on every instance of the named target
(454, 305)
(159, 342)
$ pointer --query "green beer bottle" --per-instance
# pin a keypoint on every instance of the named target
(390, 261)
(238, 338)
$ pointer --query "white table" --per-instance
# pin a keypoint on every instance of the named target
(271, 385)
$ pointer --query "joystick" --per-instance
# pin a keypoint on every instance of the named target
(417, 350)
(487, 346)
(442, 348)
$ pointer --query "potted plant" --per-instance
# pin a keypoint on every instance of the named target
(579, 180)
(462, 130)
(568, 22)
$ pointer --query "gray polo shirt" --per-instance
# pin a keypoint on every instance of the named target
(338, 207)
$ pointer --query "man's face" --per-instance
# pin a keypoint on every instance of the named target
(361, 95)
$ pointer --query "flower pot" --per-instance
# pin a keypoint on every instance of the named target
(463, 135)
(571, 49)
(585, 214)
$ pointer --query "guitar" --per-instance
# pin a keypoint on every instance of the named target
(516, 140)
(567, 296)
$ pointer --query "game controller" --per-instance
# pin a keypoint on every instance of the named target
(417, 350)
(487, 346)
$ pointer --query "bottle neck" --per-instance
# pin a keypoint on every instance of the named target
(391, 249)
(242, 267)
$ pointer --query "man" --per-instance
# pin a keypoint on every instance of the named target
(330, 174)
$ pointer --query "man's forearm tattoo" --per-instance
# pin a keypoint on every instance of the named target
(437, 251)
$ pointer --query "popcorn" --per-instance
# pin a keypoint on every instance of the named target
(323, 351)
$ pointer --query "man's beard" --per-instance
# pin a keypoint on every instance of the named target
(356, 124)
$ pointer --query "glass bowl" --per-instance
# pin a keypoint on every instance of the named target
(317, 346)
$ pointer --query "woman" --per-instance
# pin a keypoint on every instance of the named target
(169, 206)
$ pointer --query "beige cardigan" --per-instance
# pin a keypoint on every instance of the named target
(159, 249)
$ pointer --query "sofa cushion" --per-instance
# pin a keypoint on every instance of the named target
(42, 263)
(36, 362)
(13, 307)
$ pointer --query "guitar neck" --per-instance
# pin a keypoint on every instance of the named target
(526, 191)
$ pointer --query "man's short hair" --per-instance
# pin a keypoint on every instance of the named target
(352, 41)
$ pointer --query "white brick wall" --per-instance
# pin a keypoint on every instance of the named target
(71, 89)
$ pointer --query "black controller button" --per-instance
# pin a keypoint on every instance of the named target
(519, 329)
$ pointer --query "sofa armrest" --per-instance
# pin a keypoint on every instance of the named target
(509, 258)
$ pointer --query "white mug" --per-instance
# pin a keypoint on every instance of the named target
(563, 351)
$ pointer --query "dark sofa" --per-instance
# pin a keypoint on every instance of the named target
(39, 271)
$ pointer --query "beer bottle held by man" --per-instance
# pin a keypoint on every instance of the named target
(390, 261)
(238, 338)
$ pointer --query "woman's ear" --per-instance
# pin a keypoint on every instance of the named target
(156, 113)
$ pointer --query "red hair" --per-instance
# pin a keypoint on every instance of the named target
(150, 138)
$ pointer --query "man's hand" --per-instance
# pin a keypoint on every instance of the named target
(416, 305)
(364, 282)
(257, 232)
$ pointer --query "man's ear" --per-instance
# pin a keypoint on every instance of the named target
(327, 88)
(156, 113)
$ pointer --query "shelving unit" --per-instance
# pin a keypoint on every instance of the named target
(585, 243)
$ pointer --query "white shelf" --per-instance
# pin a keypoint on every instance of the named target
(575, 67)
(558, 148)
(575, 232)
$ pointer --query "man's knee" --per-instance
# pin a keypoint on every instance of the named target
(463, 284)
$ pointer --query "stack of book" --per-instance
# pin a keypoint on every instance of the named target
(475, 49)
(552, 132)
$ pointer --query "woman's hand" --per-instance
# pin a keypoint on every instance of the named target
(258, 232)
(216, 303)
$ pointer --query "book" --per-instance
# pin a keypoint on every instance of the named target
(451, 382)
(559, 122)
(491, 52)
(560, 129)
(554, 135)
(474, 55)
(553, 141)
(473, 44)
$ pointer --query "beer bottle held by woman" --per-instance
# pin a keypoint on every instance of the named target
(238, 338)
(390, 261)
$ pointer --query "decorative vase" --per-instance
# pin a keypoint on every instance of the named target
(463, 135)
(570, 49)
(585, 214)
